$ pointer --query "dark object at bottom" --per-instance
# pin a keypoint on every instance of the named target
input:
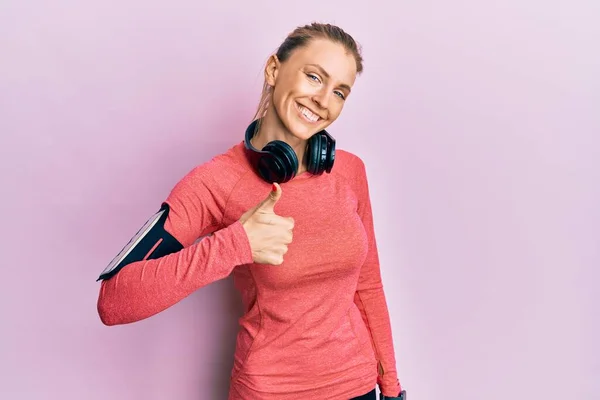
(372, 395)
(401, 397)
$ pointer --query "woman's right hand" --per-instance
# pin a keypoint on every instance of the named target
(268, 233)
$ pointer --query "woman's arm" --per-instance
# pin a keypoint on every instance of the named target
(143, 286)
(370, 297)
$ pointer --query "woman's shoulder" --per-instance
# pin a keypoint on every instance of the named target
(223, 165)
(348, 163)
(217, 174)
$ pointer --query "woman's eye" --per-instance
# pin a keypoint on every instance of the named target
(341, 95)
(313, 77)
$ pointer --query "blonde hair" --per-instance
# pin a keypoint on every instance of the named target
(300, 37)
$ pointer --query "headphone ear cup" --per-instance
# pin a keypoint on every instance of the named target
(280, 165)
(314, 154)
(330, 158)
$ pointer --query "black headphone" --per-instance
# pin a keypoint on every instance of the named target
(277, 161)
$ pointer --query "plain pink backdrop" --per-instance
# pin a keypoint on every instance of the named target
(479, 123)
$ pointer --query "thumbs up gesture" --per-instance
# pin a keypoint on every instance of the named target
(268, 233)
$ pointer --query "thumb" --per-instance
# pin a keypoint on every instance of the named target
(268, 204)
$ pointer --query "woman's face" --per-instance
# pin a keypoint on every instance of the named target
(311, 86)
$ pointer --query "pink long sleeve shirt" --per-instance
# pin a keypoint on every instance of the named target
(316, 326)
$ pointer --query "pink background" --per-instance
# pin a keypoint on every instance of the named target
(479, 123)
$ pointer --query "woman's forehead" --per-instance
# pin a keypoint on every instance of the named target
(333, 58)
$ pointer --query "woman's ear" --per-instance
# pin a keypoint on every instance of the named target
(271, 70)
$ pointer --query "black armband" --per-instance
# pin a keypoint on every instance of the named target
(150, 242)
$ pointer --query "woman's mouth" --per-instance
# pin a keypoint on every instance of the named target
(307, 115)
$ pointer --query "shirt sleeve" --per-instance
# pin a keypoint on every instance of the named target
(147, 287)
(370, 297)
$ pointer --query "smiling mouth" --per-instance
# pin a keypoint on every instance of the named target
(308, 115)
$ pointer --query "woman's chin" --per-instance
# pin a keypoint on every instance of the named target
(304, 130)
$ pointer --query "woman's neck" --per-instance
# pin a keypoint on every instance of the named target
(271, 128)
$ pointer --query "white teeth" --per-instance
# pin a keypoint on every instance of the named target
(312, 117)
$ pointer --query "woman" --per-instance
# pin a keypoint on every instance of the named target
(295, 232)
